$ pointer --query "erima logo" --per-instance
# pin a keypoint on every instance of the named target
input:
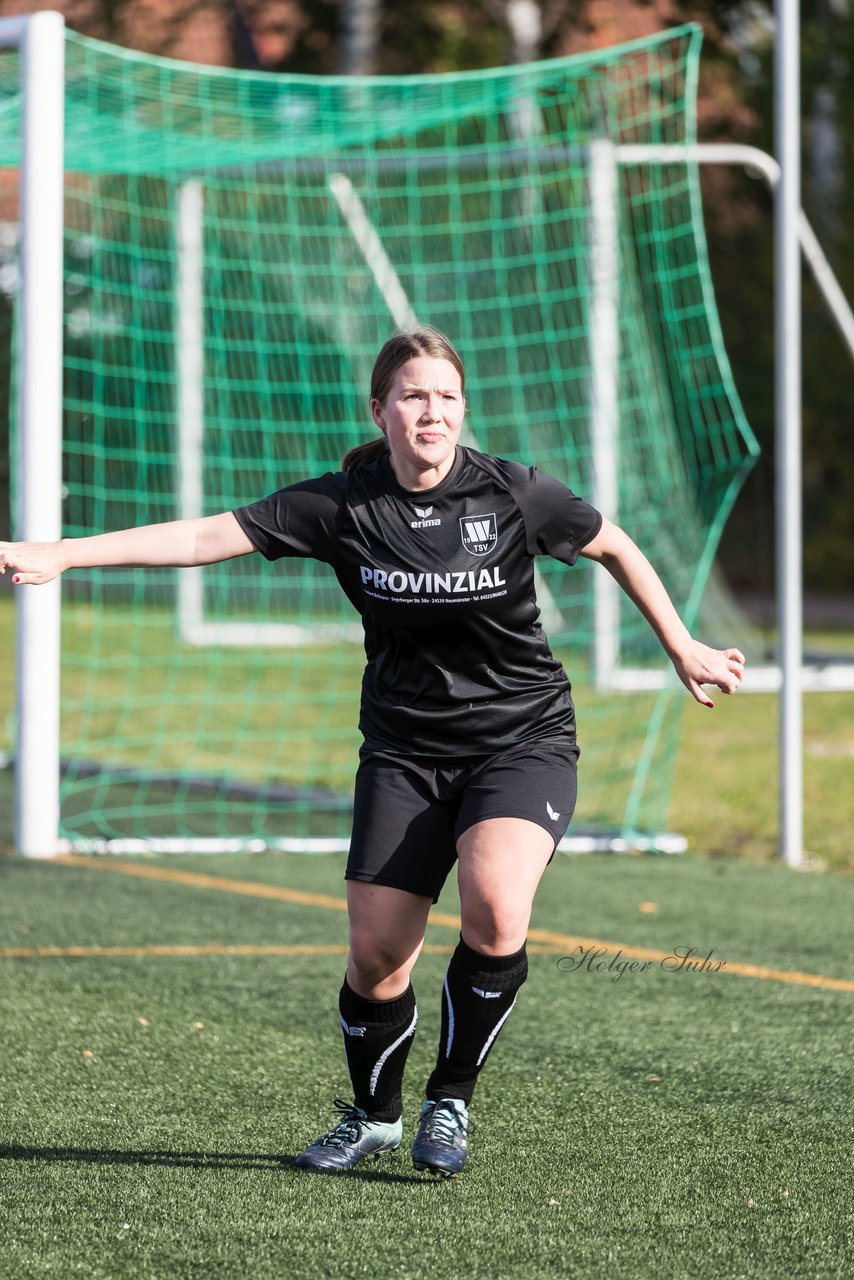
(479, 533)
(487, 995)
(352, 1031)
(425, 522)
(554, 816)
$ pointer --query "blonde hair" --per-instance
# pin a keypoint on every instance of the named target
(424, 341)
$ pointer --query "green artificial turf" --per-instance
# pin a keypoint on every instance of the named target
(657, 1124)
(726, 788)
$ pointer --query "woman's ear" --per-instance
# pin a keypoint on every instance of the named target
(377, 414)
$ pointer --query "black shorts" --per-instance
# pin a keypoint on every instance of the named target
(410, 811)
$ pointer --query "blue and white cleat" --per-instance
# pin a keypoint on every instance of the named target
(352, 1139)
(441, 1145)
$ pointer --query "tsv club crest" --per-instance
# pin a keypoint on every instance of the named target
(479, 534)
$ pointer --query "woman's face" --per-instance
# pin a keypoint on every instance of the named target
(421, 417)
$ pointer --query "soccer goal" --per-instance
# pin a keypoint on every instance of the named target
(236, 249)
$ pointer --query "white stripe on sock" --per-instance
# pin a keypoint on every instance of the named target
(375, 1074)
(495, 1030)
(450, 1020)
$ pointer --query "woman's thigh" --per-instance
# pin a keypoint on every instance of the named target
(501, 861)
(516, 807)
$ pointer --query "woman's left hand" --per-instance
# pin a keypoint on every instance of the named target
(700, 665)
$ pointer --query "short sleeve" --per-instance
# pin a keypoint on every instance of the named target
(558, 523)
(303, 519)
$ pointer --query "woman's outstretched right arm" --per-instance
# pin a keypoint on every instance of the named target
(179, 543)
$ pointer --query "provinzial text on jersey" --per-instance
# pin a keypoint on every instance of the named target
(430, 584)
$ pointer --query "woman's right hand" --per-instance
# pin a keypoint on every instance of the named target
(33, 563)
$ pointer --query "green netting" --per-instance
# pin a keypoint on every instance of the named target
(238, 247)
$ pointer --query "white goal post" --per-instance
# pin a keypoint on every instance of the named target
(40, 37)
(194, 627)
(606, 158)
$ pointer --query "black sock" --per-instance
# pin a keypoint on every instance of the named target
(378, 1035)
(478, 995)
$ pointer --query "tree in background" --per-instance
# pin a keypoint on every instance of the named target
(739, 223)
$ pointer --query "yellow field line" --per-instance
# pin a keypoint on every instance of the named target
(199, 880)
(202, 949)
(563, 942)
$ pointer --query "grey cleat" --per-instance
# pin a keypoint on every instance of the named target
(352, 1139)
(441, 1144)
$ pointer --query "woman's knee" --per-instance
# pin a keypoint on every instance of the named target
(494, 932)
(375, 960)
(386, 934)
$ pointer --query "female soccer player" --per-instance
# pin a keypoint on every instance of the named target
(469, 751)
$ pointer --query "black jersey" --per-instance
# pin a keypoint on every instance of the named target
(457, 662)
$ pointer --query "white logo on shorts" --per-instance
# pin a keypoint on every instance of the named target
(487, 995)
(554, 816)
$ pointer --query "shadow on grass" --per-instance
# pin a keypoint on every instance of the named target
(177, 1159)
(189, 1160)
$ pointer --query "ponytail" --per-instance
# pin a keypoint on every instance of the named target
(361, 454)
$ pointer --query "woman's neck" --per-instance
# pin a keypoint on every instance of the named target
(416, 479)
